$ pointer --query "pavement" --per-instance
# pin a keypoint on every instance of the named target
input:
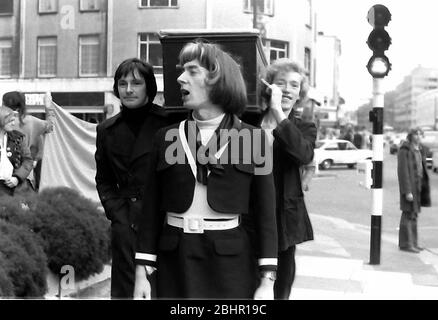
(335, 266)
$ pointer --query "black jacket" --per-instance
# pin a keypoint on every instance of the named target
(121, 162)
(239, 187)
(294, 143)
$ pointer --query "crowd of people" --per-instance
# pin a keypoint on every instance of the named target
(210, 207)
(195, 213)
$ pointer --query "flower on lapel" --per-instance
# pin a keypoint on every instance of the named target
(9, 154)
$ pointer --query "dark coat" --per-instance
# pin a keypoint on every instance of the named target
(121, 162)
(407, 172)
(20, 156)
(293, 147)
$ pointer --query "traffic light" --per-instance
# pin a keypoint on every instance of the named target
(379, 41)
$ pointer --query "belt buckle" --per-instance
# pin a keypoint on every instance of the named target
(193, 225)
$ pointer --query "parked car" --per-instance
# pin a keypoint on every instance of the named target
(335, 151)
(395, 142)
(430, 142)
(435, 161)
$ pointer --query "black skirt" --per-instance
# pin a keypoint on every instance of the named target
(213, 265)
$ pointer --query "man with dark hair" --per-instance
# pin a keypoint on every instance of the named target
(123, 153)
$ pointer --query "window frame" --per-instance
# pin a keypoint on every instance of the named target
(39, 74)
(9, 13)
(9, 41)
(307, 60)
(82, 9)
(81, 38)
(267, 10)
(148, 5)
(268, 48)
(157, 69)
(53, 11)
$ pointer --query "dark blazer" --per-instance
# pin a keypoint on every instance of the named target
(294, 143)
(121, 160)
(407, 172)
(233, 191)
(19, 155)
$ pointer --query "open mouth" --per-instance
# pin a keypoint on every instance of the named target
(287, 97)
(184, 92)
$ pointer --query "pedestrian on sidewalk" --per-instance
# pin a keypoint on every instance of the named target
(191, 228)
(414, 188)
(34, 129)
(124, 144)
(293, 142)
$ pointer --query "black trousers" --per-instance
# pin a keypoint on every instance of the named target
(285, 274)
(408, 235)
(123, 239)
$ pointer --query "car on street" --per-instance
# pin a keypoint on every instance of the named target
(395, 141)
(430, 142)
(435, 161)
(331, 152)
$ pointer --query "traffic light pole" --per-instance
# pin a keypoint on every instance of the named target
(376, 116)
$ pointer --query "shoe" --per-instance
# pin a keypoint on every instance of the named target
(410, 249)
(419, 248)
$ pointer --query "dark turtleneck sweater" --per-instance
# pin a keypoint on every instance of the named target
(135, 118)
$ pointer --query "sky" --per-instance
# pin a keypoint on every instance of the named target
(413, 31)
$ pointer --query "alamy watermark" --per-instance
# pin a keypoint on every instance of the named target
(245, 146)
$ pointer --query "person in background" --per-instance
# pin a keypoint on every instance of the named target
(124, 145)
(15, 158)
(358, 138)
(191, 229)
(293, 140)
(34, 130)
(413, 180)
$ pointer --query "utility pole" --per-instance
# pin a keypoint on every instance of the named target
(379, 67)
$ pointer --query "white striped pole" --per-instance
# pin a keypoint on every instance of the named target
(376, 116)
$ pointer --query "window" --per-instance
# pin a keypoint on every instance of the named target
(6, 7)
(47, 56)
(89, 5)
(263, 6)
(275, 49)
(158, 3)
(5, 58)
(307, 60)
(150, 51)
(47, 6)
(332, 147)
(89, 48)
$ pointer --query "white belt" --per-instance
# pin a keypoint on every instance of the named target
(198, 225)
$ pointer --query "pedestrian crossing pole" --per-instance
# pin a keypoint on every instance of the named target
(376, 116)
(379, 67)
